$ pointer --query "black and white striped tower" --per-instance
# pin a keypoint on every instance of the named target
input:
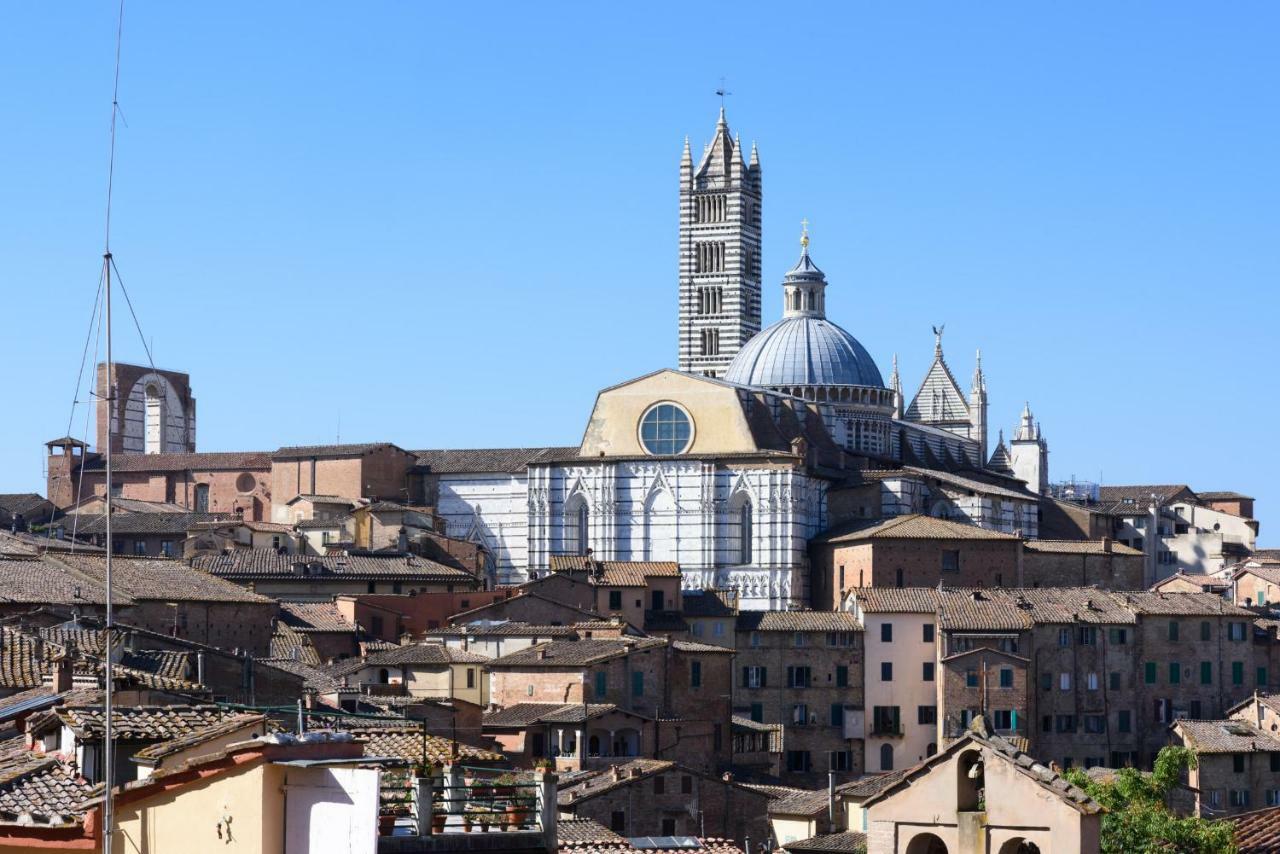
(719, 253)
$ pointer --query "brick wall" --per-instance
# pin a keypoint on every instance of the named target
(776, 702)
(1106, 571)
(909, 563)
(685, 803)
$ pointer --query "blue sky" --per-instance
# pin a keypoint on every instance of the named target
(450, 225)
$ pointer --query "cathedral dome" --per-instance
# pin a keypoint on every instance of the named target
(804, 348)
(804, 351)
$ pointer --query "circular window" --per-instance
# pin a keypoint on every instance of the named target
(245, 483)
(666, 429)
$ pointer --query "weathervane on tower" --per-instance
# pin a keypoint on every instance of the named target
(723, 93)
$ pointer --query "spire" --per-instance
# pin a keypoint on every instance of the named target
(1027, 428)
(979, 380)
(722, 123)
(686, 159)
(755, 155)
(937, 341)
(895, 383)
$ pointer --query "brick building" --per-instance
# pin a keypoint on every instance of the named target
(1237, 766)
(628, 589)
(803, 670)
(1101, 563)
(309, 578)
(370, 470)
(648, 797)
(910, 551)
(684, 686)
(164, 596)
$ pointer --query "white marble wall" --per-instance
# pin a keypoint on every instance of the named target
(687, 511)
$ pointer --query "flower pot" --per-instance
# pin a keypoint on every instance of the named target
(386, 825)
(438, 821)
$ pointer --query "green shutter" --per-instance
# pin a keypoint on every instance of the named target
(1206, 673)
(602, 684)
(1237, 673)
(637, 684)
(1175, 673)
(1150, 673)
(1262, 677)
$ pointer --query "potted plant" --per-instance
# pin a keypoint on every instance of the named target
(468, 819)
(544, 765)
(386, 824)
(504, 786)
(438, 820)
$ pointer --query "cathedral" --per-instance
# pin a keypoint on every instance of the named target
(729, 464)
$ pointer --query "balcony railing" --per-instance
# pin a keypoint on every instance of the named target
(461, 800)
(384, 689)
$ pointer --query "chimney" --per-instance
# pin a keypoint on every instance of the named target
(542, 654)
(63, 671)
(1106, 545)
(635, 771)
(617, 773)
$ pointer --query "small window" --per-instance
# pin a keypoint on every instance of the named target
(842, 676)
(695, 674)
(886, 632)
(1175, 673)
(1237, 763)
(927, 672)
(1173, 630)
(1113, 680)
(615, 600)
(1064, 637)
(637, 684)
(950, 560)
(1006, 677)
(140, 548)
(1149, 673)
(927, 636)
(1064, 681)
(886, 671)
(971, 678)
(659, 784)
(1237, 673)
(1206, 673)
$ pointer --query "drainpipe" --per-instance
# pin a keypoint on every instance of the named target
(831, 801)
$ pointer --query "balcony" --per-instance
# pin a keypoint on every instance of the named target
(384, 689)
(463, 808)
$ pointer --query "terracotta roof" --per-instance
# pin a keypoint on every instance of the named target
(793, 801)
(309, 524)
(290, 452)
(187, 740)
(204, 461)
(871, 784)
(1070, 605)
(1257, 832)
(317, 498)
(709, 603)
(141, 723)
(487, 460)
(403, 740)
(287, 643)
(981, 610)
(313, 677)
(25, 544)
(1226, 736)
(249, 564)
(1206, 582)
(797, 621)
(158, 579)
(315, 617)
(521, 715)
(48, 793)
(572, 831)
(627, 773)
(899, 600)
(575, 653)
(694, 646)
(483, 628)
(42, 581)
(425, 653)
(15, 503)
(1173, 604)
(1043, 776)
(1266, 571)
(850, 841)
(615, 573)
(1090, 547)
(913, 526)
(159, 524)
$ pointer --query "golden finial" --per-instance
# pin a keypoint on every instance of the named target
(804, 233)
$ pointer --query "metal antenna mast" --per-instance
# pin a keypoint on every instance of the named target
(108, 733)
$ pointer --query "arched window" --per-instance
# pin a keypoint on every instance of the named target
(384, 676)
(202, 498)
(154, 420)
(582, 523)
(886, 757)
(745, 532)
(659, 527)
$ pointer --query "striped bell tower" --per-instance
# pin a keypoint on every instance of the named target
(719, 253)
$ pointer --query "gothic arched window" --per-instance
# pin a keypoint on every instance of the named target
(745, 532)
(581, 524)
(154, 432)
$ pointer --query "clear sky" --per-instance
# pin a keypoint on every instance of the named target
(449, 225)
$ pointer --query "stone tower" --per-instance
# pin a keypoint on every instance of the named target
(1029, 454)
(719, 253)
